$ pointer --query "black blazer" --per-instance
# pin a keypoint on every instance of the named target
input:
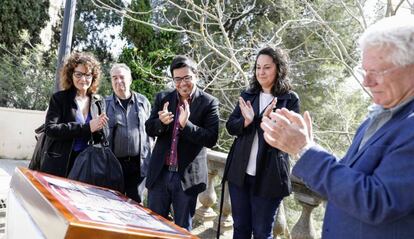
(272, 166)
(61, 129)
(200, 132)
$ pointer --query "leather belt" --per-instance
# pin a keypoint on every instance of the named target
(128, 158)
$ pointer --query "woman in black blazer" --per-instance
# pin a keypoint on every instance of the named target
(72, 118)
(258, 174)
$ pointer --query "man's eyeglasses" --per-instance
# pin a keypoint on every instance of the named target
(186, 79)
(79, 75)
(375, 74)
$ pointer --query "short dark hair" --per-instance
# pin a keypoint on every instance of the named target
(183, 61)
(280, 58)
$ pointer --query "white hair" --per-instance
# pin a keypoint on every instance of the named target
(121, 66)
(396, 32)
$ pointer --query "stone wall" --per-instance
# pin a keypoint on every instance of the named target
(17, 127)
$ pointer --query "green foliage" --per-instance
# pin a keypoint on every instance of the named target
(26, 79)
(105, 87)
(26, 82)
(16, 17)
(137, 33)
(92, 33)
(321, 56)
(145, 70)
(150, 51)
(91, 21)
(318, 35)
(339, 113)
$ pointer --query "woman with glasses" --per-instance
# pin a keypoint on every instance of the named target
(74, 115)
(257, 173)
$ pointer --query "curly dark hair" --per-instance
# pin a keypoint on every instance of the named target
(80, 58)
(282, 83)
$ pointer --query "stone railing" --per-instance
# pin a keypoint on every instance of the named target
(303, 229)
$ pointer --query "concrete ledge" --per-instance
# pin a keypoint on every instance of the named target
(17, 130)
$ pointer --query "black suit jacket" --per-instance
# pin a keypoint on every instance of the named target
(200, 132)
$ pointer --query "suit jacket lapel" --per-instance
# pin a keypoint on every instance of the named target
(173, 101)
(392, 123)
(195, 103)
(371, 140)
(353, 150)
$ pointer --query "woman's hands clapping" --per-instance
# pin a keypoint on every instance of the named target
(247, 111)
(270, 107)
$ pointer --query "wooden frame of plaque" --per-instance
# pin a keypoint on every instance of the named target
(63, 208)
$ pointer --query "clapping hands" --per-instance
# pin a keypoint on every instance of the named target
(184, 114)
(246, 111)
(165, 116)
(287, 130)
(270, 107)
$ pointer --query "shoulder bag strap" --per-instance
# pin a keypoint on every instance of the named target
(101, 109)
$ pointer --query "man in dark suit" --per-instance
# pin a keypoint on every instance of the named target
(369, 191)
(185, 121)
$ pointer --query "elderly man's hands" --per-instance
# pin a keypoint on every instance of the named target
(288, 130)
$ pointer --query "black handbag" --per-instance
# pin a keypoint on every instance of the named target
(39, 148)
(97, 165)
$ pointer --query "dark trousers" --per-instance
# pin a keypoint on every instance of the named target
(167, 190)
(251, 214)
(132, 176)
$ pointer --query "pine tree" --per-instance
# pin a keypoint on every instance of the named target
(23, 17)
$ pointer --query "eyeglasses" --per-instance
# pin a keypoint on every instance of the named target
(375, 74)
(79, 75)
(186, 79)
